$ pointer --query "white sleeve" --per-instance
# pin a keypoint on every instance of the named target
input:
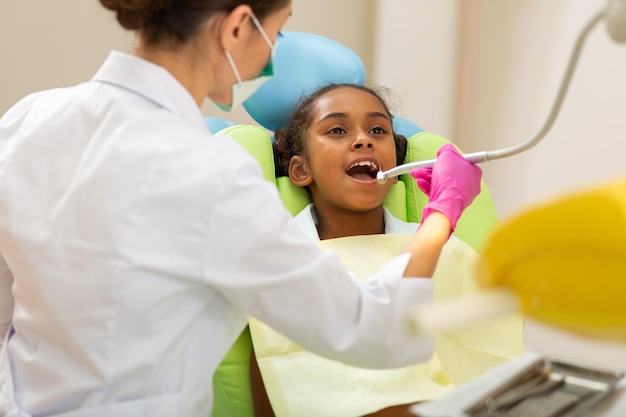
(271, 269)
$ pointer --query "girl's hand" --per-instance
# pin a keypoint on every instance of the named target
(451, 184)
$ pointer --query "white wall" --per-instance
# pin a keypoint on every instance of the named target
(522, 51)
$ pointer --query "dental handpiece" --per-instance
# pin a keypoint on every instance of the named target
(383, 176)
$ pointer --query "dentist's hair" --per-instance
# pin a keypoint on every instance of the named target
(290, 141)
(179, 20)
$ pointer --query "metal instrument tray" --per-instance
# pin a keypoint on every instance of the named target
(548, 387)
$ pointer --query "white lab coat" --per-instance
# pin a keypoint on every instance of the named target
(134, 246)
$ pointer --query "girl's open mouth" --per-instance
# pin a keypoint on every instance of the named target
(363, 170)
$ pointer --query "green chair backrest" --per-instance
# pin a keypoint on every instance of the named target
(231, 383)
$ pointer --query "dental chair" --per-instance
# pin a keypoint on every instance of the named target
(303, 63)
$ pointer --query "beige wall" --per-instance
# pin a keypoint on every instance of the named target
(47, 44)
(416, 55)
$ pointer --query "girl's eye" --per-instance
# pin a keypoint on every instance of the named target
(336, 131)
(379, 131)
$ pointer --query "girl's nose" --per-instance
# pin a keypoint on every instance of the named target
(362, 140)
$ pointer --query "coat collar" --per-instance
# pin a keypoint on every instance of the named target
(151, 82)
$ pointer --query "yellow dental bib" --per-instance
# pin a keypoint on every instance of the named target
(300, 383)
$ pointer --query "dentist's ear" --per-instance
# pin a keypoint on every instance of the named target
(234, 26)
(299, 171)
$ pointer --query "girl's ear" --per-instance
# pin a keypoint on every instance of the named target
(299, 171)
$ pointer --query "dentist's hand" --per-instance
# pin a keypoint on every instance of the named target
(451, 184)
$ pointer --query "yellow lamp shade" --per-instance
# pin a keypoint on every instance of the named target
(566, 261)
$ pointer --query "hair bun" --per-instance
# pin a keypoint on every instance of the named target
(133, 14)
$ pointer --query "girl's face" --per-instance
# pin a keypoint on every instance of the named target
(349, 139)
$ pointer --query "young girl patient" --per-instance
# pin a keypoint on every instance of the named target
(336, 141)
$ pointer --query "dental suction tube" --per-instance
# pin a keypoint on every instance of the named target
(615, 15)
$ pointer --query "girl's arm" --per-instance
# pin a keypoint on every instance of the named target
(260, 400)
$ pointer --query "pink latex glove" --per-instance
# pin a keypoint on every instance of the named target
(451, 184)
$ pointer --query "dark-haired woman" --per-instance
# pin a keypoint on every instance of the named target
(134, 246)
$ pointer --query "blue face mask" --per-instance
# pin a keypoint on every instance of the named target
(242, 90)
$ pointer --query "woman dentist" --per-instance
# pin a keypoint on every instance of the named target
(134, 246)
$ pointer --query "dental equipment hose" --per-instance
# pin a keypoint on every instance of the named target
(484, 156)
